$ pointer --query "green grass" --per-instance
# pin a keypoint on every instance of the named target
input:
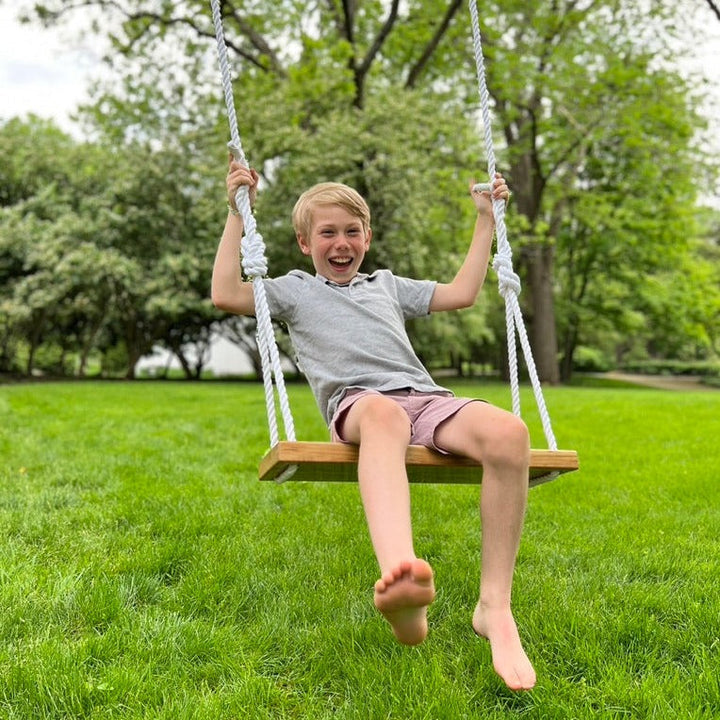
(146, 573)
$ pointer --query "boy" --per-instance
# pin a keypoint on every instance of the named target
(347, 329)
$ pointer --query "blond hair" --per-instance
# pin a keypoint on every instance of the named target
(328, 193)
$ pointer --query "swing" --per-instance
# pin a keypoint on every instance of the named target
(317, 461)
(328, 461)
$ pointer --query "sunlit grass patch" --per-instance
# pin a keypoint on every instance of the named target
(146, 573)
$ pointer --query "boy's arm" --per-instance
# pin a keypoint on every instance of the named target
(229, 291)
(464, 288)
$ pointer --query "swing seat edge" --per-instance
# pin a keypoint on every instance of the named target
(337, 462)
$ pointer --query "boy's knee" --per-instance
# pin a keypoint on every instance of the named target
(509, 444)
(382, 413)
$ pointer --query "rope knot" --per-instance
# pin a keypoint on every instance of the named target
(508, 279)
(254, 262)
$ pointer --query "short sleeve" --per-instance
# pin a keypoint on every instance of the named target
(414, 296)
(282, 295)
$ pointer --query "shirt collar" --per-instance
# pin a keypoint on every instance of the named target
(360, 277)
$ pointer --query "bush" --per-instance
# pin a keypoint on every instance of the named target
(701, 368)
(587, 359)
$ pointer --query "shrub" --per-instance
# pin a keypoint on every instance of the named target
(587, 359)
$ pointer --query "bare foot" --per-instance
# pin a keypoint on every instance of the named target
(402, 595)
(509, 659)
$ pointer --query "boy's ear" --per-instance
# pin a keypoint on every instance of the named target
(304, 247)
(368, 238)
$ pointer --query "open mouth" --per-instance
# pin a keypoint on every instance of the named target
(340, 263)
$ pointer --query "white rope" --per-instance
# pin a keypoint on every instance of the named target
(508, 281)
(254, 262)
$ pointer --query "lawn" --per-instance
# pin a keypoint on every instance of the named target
(146, 573)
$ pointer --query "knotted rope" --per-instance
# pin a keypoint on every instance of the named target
(254, 262)
(508, 281)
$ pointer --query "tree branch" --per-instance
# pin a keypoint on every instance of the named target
(714, 8)
(380, 39)
(417, 69)
(263, 50)
(258, 42)
(337, 19)
(361, 70)
(349, 7)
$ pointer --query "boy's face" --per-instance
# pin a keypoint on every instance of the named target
(337, 243)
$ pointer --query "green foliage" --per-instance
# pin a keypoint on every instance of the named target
(29, 151)
(587, 359)
(702, 368)
(119, 253)
(600, 131)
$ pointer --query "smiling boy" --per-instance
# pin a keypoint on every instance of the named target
(348, 331)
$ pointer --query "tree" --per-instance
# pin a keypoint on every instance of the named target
(37, 181)
(632, 214)
(569, 80)
(113, 259)
(33, 152)
(354, 90)
(317, 101)
(157, 215)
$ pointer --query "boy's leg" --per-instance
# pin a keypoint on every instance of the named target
(382, 430)
(500, 441)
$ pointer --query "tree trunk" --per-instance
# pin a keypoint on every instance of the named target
(184, 362)
(569, 346)
(543, 334)
(87, 348)
(35, 337)
(133, 360)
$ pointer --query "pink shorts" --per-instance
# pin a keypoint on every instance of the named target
(426, 412)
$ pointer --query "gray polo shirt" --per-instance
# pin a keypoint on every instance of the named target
(352, 336)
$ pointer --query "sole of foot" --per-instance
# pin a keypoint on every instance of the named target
(402, 595)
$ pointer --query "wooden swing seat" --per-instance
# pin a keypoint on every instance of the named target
(336, 462)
